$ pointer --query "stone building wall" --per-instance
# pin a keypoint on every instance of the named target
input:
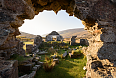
(98, 17)
(8, 69)
(37, 42)
(6, 53)
(84, 42)
(72, 40)
(50, 36)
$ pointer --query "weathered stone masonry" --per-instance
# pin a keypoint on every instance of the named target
(98, 16)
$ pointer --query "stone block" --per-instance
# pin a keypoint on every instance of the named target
(24, 76)
(25, 68)
(84, 42)
(38, 66)
(42, 53)
(9, 69)
(40, 63)
(72, 56)
(56, 60)
(34, 68)
(64, 55)
(33, 63)
(29, 48)
(31, 75)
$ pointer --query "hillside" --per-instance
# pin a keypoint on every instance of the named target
(79, 32)
(27, 35)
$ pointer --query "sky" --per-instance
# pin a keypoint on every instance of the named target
(47, 21)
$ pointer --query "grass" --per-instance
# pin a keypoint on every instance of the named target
(76, 52)
(19, 58)
(67, 67)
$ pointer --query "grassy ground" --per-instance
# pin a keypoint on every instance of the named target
(19, 57)
(67, 67)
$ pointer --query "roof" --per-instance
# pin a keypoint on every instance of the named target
(53, 33)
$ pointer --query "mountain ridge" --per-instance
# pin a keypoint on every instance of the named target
(79, 32)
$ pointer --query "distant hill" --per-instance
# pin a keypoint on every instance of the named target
(27, 35)
(79, 32)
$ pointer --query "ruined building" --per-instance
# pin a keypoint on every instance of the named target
(72, 40)
(98, 16)
(49, 37)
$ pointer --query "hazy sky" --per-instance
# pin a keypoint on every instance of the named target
(47, 21)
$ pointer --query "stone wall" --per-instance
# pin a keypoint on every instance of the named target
(8, 69)
(98, 16)
(50, 36)
(38, 40)
(84, 42)
(6, 53)
(72, 40)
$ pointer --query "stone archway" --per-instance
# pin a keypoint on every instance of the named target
(98, 16)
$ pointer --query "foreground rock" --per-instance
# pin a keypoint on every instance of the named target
(29, 48)
(42, 53)
(64, 54)
(72, 56)
(56, 61)
(31, 75)
(8, 69)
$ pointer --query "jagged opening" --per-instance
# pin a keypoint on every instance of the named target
(47, 21)
(91, 12)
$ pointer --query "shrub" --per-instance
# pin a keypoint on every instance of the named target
(47, 58)
(49, 65)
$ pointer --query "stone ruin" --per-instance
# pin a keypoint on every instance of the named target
(8, 69)
(32, 48)
(49, 37)
(6, 53)
(99, 19)
(72, 40)
(38, 40)
(29, 48)
(84, 42)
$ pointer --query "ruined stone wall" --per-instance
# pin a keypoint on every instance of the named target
(98, 16)
(37, 42)
(6, 53)
(50, 37)
(72, 40)
(8, 69)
